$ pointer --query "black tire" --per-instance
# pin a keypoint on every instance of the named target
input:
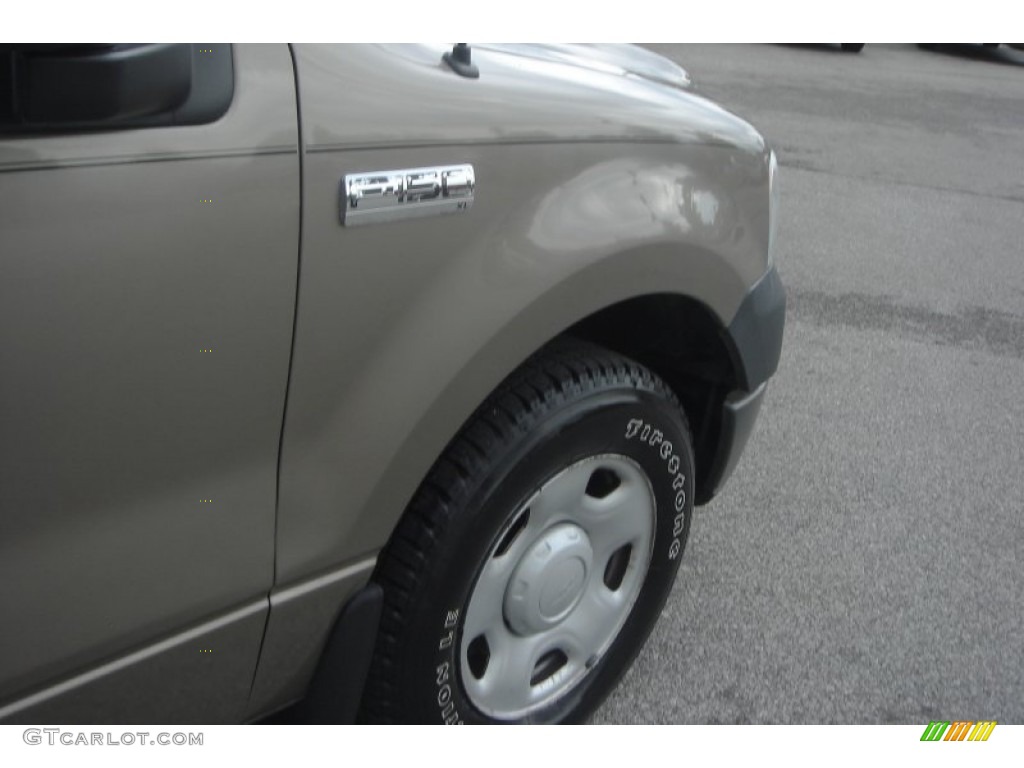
(569, 402)
(852, 47)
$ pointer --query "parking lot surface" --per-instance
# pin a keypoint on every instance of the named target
(864, 563)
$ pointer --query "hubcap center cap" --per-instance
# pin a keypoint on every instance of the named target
(549, 580)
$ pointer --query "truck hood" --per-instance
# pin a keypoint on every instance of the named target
(614, 58)
(529, 93)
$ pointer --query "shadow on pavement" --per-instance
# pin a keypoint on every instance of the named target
(827, 47)
(1001, 54)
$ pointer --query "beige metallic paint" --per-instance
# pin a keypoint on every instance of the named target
(592, 188)
(113, 424)
(404, 328)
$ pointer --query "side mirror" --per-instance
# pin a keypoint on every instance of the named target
(85, 85)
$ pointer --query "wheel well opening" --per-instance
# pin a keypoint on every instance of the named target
(682, 341)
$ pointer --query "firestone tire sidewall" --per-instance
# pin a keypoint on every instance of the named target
(640, 425)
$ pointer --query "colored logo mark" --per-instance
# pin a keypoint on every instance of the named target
(959, 730)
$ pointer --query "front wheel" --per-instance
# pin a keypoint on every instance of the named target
(536, 557)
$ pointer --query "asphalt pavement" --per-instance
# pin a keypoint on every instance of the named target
(864, 565)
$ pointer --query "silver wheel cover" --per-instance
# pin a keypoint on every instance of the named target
(557, 586)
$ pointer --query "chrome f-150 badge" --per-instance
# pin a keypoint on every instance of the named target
(377, 196)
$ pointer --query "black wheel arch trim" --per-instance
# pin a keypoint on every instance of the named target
(755, 333)
(337, 688)
(754, 338)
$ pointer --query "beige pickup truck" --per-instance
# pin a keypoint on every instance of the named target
(378, 378)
